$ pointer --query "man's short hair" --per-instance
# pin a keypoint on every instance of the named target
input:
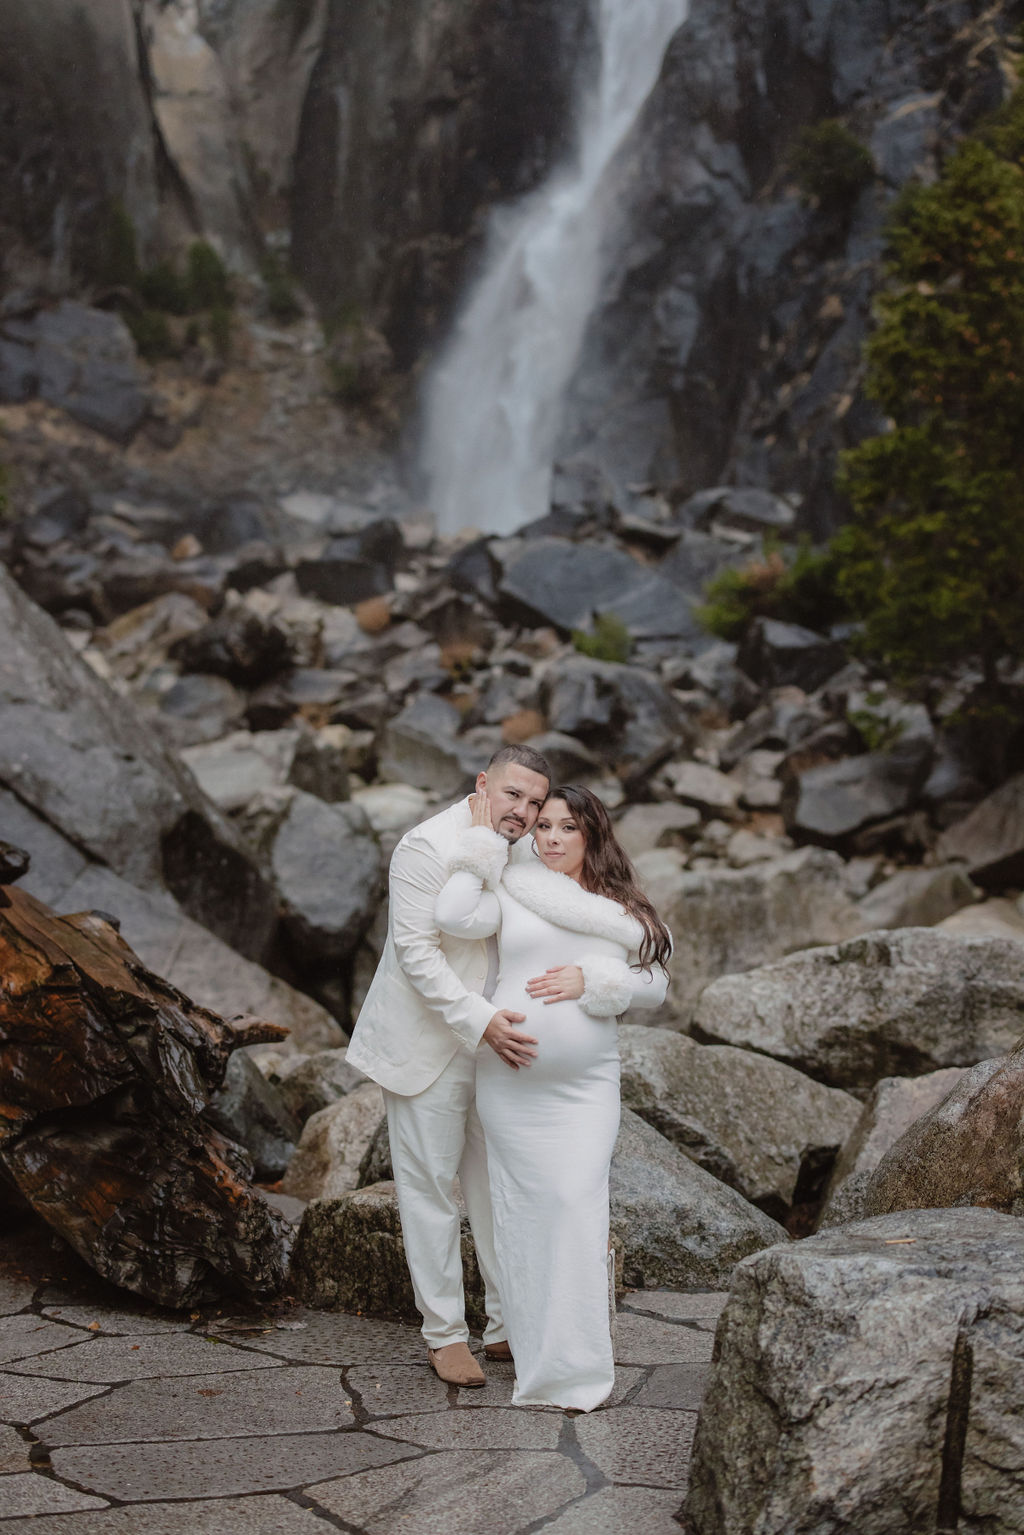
(522, 756)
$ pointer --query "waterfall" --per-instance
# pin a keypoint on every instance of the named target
(493, 405)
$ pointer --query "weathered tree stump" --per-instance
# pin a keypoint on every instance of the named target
(105, 1071)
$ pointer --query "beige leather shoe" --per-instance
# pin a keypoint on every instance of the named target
(502, 1351)
(455, 1365)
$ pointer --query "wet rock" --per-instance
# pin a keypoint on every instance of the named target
(990, 840)
(93, 770)
(82, 361)
(419, 747)
(310, 1083)
(249, 1110)
(918, 897)
(966, 1150)
(327, 869)
(727, 920)
(780, 655)
(334, 1142)
(892, 1106)
(238, 644)
(886, 1004)
(675, 1224)
(764, 1129)
(865, 1379)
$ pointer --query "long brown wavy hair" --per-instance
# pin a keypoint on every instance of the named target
(608, 871)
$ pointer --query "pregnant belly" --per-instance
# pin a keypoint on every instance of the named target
(570, 1043)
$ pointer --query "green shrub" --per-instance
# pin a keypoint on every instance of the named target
(282, 300)
(115, 262)
(151, 333)
(831, 166)
(798, 588)
(206, 280)
(162, 287)
(609, 640)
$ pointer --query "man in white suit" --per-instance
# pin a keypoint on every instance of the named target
(424, 1016)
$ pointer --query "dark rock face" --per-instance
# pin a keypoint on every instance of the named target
(555, 582)
(865, 1380)
(777, 655)
(250, 1111)
(441, 118)
(81, 360)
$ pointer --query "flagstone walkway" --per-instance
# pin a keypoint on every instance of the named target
(116, 1419)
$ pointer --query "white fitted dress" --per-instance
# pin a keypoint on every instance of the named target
(550, 1129)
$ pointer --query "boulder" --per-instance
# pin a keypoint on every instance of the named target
(334, 1142)
(893, 1105)
(787, 720)
(997, 917)
(744, 509)
(643, 827)
(249, 1110)
(553, 581)
(622, 712)
(242, 645)
(918, 897)
(830, 802)
(867, 1379)
(886, 1004)
(196, 708)
(704, 787)
(675, 1225)
(763, 1128)
(327, 869)
(309, 1083)
(776, 655)
(419, 747)
(349, 1254)
(990, 840)
(82, 361)
(233, 770)
(726, 920)
(967, 1150)
(89, 767)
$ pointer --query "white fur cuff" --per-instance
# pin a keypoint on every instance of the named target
(607, 985)
(482, 852)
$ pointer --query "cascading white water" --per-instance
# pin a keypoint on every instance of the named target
(494, 400)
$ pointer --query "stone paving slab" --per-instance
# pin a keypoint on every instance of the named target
(268, 1515)
(673, 1385)
(220, 1469)
(13, 1453)
(456, 1492)
(115, 1320)
(29, 1495)
(109, 1360)
(620, 1511)
(15, 1292)
(339, 1339)
(292, 1400)
(645, 1446)
(24, 1399)
(645, 1340)
(392, 1389)
(27, 1334)
(700, 1306)
(490, 1428)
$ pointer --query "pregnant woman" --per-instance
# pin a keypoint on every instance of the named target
(579, 943)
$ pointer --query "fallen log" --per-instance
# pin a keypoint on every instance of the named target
(105, 1073)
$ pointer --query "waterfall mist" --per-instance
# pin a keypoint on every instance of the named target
(493, 405)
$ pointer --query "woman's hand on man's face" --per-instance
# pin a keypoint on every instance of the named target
(480, 805)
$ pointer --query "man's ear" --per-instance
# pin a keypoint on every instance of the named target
(481, 782)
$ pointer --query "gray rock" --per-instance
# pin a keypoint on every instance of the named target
(552, 581)
(778, 655)
(334, 1142)
(998, 917)
(249, 1110)
(830, 802)
(966, 1150)
(240, 644)
(675, 1224)
(787, 720)
(742, 508)
(865, 1379)
(726, 920)
(376, 1164)
(990, 841)
(568, 758)
(82, 361)
(327, 869)
(697, 784)
(623, 713)
(766, 1130)
(886, 1004)
(419, 747)
(309, 1083)
(197, 708)
(90, 768)
(234, 769)
(918, 897)
(893, 1105)
(644, 827)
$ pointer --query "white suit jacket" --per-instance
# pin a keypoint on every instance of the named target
(425, 999)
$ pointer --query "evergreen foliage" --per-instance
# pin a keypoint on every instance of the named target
(206, 278)
(609, 640)
(933, 560)
(798, 588)
(831, 165)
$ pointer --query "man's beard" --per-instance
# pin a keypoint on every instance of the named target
(511, 831)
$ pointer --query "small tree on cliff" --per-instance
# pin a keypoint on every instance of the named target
(933, 561)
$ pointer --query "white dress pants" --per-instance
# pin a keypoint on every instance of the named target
(435, 1136)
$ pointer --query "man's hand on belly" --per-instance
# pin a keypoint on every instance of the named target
(507, 1042)
(562, 983)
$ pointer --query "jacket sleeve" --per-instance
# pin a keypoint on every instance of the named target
(467, 906)
(417, 874)
(611, 986)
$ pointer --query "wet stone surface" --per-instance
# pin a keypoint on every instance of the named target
(116, 1419)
